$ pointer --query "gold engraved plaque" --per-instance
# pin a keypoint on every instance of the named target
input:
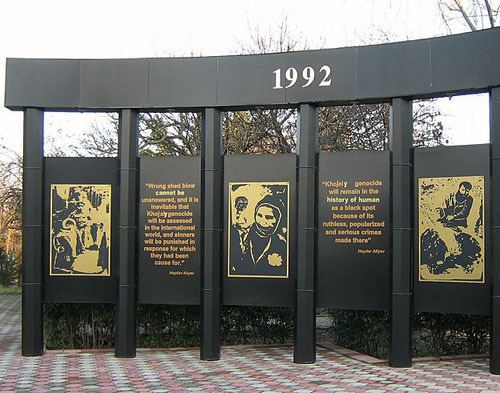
(451, 229)
(80, 229)
(258, 230)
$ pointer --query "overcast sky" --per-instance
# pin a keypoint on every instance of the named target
(148, 28)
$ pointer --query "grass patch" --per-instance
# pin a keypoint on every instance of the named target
(10, 290)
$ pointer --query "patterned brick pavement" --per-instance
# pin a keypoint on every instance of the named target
(242, 369)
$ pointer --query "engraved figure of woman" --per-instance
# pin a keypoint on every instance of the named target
(265, 246)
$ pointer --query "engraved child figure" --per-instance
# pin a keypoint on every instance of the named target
(240, 227)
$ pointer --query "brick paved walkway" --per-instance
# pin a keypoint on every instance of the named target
(242, 369)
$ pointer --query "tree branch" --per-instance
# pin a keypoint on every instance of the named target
(465, 15)
(490, 13)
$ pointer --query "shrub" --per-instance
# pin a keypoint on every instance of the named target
(433, 334)
(70, 326)
(163, 326)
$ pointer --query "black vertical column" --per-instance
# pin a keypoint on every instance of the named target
(307, 168)
(211, 225)
(32, 325)
(401, 137)
(495, 229)
(127, 227)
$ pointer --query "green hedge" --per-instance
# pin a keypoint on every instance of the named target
(363, 331)
(264, 325)
(168, 326)
(433, 334)
(450, 334)
(75, 326)
(159, 326)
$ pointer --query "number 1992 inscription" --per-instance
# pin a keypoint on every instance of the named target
(308, 77)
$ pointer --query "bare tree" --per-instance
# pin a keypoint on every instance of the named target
(276, 39)
(160, 133)
(10, 215)
(177, 134)
(355, 127)
(260, 131)
(366, 127)
(100, 141)
(469, 14)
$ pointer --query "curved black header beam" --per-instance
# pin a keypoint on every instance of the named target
(462, 63)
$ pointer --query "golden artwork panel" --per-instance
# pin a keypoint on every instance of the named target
(258, 229)
(451, 229)
(80, 229)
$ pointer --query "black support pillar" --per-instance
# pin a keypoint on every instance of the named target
(307, 168)
(211, 224)
(495, 229)
(127, 227)
(401, 137)
(32, 325)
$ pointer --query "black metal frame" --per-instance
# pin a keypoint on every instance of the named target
(211, 193)
(402, 231)
(395, 73)
(126, 310)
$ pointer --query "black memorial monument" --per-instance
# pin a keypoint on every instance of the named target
(401, 230)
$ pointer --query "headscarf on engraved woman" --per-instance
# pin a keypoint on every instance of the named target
(266, 244)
